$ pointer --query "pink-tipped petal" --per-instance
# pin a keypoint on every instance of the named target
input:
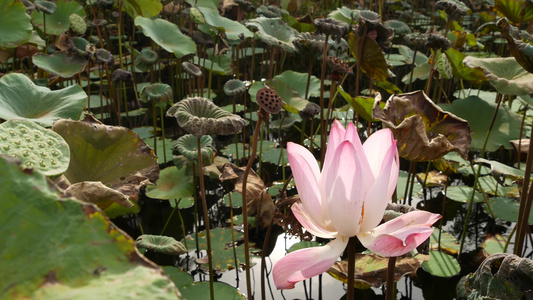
(376, 148)
(401, 234)
(344, 200)
(309, 224)
(379, 193)
(306, 263)
(336, 136)
(306, 176)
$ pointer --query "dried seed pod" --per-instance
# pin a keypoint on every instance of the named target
(337, 65)
(311, 109)
(335, 29)
(103, 56)
(269, 100)
(437, 41)
(121, 75)
(245, 5)
(191, 69)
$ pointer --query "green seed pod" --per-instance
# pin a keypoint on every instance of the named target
(77, 23)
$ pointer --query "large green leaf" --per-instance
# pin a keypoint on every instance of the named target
(231, 28)
(167, 35)
(478, 112)
(505, 74)
(22, 99)
(15, 26)
(61, 64)
(222, 291)
(143, 8)
(274, 32)
(370, 57)
(441, 264)
(362, 105)
(173, 183)
(460, 70)
(505, 208)
(517, 11)
(114, 155)
(59, 21)
(73, 250)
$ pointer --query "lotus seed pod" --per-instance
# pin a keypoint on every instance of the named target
(269, 100)
(196, 15)
(37, 147)
(77, 23)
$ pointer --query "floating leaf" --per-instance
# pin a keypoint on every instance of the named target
(494, 244)
(460, 70)
(173, 183)
(505, 208)
(61, 64)
(463, 194)
(161, 244)
(361, 104)
(200, 290)
(230, 28)
(371, 269)
(167, 35)
(448, 243)
(441, 264)
(69, 234)
(15, 25)
(221, 245)
(37, 147)
(22, 99)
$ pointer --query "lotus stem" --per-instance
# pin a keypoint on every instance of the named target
(351, 268)
(206, 218)
(390, 292)
(163, 134)
(245, 204)
(412, 68)
(263, 261)
(233, 240)
(322, 124)
(526, 198)
(476, 178)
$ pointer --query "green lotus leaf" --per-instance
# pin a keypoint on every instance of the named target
(61, 63)
(505, 208)
(478, 112)
(368, 53)
(499, 169)
(187, 146)
(15, 25)
(274, 32)
(22, 99)
(399, 27)
(44, 6)
(362, 105)
(419, 72)
(114, 155)
(505, 74)
(517, 11)
(420, 59)
(199, 116)
(180, 278)
(173, 183)
(218, 64)
(441, 264)
(221, 245)
(160, 93)
(234, 87)
(59, 21)
(463, 194)
(143, 8)
(448, 243)
(344, 14)
(460, 70)
(163, 146)
(200, 290)
(37, 147)
(212, 4)
(167, 35)
(501, 276)
(75, 252)
(145, 60)
(161, 244)
(231, 28)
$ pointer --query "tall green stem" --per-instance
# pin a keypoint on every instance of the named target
(206, 218)
(245, 204)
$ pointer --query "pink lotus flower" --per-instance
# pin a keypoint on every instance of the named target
(348, 199)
